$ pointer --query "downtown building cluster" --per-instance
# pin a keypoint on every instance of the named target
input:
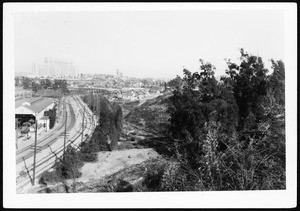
(54, 68)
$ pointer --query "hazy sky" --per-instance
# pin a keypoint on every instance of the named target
(146, 43)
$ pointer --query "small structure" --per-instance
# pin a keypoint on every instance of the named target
(45, 121)
(33, 108)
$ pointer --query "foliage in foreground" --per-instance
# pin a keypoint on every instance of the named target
(67, 166)
(229, 135)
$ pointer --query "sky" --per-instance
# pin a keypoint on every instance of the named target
(157, 44)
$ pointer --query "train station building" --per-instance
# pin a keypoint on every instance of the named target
(33, 108)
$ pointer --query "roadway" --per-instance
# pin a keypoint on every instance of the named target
(52, 143)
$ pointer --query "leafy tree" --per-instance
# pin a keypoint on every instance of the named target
(145, 82)
(26, 83)
(66, 167)
(25, 129)
(35, 86)
(46, 83)
(249, 84)
(229, 135)
(60, 84)
(175, 83)
(91, 100)
(110, 127)
(200, 101)
(51, 113)
(70, 165)
(17, 81)
(276, 81)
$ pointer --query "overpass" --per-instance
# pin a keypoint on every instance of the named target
(96, 90)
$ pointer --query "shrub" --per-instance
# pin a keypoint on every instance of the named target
(154, 172)
(69, 166)
(171, 180)
(23, 173)
(152, 179)
(47, 177)
(89, 157)
(123, 186)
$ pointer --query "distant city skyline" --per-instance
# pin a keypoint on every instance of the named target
(157, 44)
(54, 67)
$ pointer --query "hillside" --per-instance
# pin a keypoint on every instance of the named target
(146, 123)
(149, 116)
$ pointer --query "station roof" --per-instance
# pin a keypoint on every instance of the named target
(36, 104)
(19, 102)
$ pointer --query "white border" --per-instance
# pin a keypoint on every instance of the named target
(234, 199)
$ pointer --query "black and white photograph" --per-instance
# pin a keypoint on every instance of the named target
(149, 105)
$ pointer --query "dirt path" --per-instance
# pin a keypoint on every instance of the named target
(111, 162)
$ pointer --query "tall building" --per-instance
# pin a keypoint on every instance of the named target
(57, 68)
(119, 74)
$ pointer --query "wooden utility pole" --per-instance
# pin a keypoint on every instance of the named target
(17, 124)
(65, 138)
(95, 110)
(98, 107)
(34, 153)
(82, 124)
(95, 104)
(58, 110)
(58, 106)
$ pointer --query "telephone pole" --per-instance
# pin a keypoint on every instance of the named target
(98, 108)
(82, 124)
(58, 110)
(95, 110)
(34, 153)
(17, 124)
(95, 104)
(65, 138)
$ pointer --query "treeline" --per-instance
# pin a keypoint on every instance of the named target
(35, 85)
(108, 132)
(228, 134)
(105, 137)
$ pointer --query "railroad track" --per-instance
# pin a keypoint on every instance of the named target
(44, 139)
(48, 138)
(40, 165)
(53, 132)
